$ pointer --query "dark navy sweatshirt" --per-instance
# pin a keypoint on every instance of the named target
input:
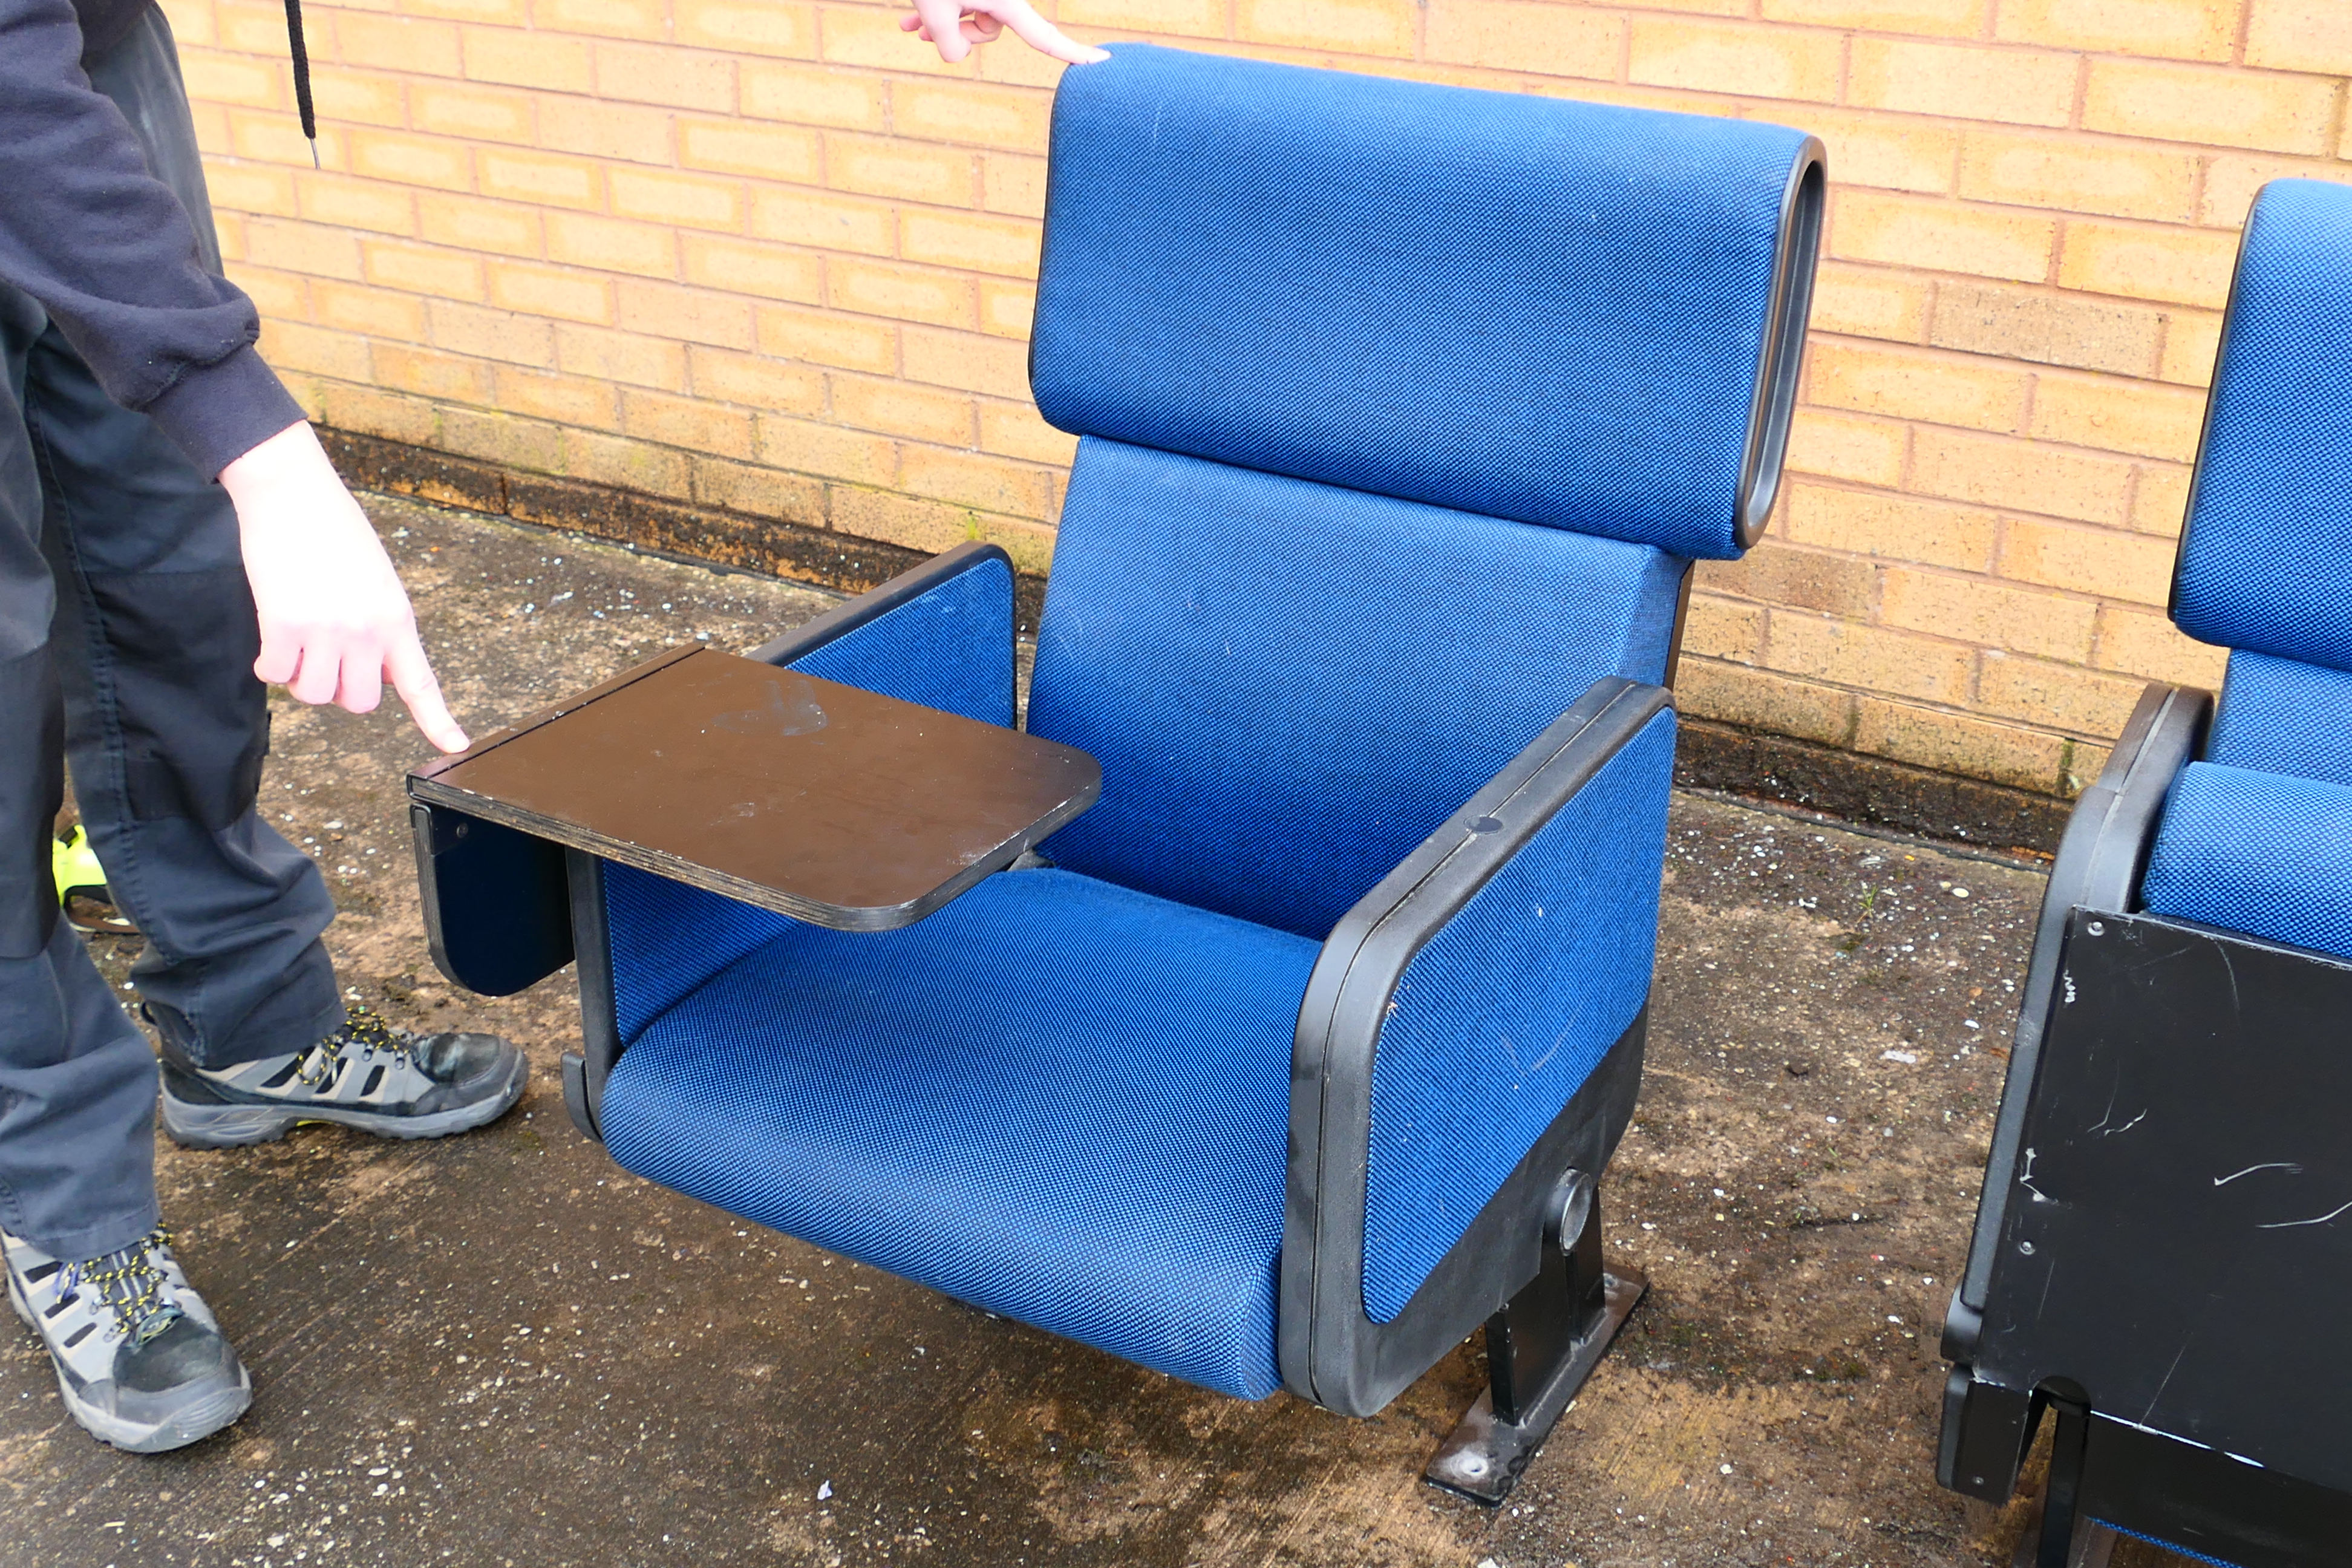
(109, 252)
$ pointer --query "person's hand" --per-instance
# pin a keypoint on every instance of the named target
(335, 622)
(956, 25)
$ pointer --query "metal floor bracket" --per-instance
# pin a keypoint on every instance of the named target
(1483, 1456)
(1541, 1345)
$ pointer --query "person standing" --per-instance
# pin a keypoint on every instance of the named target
(171, 536)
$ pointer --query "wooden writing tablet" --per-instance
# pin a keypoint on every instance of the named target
(820, 801)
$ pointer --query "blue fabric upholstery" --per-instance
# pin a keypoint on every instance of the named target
(1507, 1012)
(1056, 1098)
(2266, 562)
(1405, 409)
(2260, 853)
(2258, 838)
(1525, 307)
(1289, 686)
(668, 939)
(2280, 717)
(951, 648)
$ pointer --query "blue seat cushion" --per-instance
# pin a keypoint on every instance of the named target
(1057, 1099)
(2263, 854)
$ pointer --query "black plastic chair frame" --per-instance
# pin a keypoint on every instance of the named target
(2119, 1276)
(1782, 357)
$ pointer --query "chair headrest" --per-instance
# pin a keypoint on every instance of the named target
(2265, 562)
(1557, 312)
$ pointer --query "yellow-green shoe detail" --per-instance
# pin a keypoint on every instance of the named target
(73, 866)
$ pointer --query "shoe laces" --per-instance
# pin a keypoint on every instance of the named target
(363, 1027)
(130, 1280)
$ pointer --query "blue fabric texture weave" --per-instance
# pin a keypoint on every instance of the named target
(1525, 307)
(2260, 853)
(951, 650)
(1289, 686)
(2280, 717)
(1057, 1100)
(1500, 1019)
(668, 939)
(2266, 561)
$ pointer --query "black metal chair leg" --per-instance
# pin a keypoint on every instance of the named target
(1540, 1347)
(2063, 1495)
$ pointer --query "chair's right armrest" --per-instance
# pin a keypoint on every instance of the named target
(940, 634)
(2099, 865)
(1529, 915)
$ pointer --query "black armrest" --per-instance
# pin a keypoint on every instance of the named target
(1328, 1350)
(2099, 865)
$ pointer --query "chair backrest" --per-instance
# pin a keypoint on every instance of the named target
(2265, 563)
(1406, 408)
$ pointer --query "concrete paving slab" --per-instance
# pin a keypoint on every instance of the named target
(500, 1350)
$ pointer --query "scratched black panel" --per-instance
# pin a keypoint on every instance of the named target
(2179, 1240)
(2207, 1504)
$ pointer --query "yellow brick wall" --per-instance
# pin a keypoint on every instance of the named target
(771, 256)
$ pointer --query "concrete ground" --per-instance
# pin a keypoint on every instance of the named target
(499, 1350)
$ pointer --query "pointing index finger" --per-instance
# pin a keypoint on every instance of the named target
(1040, 35)
(412, 676)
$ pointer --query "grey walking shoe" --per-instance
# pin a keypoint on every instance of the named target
(391, 1082)
(140, 1360)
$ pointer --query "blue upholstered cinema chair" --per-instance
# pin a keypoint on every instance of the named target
(1406, 410)
(2164, 1251)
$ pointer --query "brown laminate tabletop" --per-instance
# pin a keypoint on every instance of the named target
(824, 802)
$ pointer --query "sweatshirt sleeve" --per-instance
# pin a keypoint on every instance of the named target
(108, 251)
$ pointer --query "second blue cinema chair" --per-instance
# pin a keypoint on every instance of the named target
(2163, 1246)
(1406, 410)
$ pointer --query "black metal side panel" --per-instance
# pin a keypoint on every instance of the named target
(2099, 865)
(2178, 1241)
(2211, 1503)
(1329, 1350)
(496, 914)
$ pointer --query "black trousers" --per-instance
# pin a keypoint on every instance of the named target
(127, 642)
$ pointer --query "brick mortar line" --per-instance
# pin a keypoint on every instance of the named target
(1907, 117)
(1987, 716)
(706, 535)
(1734, 761)
(2030, 370)
(2086, 57)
